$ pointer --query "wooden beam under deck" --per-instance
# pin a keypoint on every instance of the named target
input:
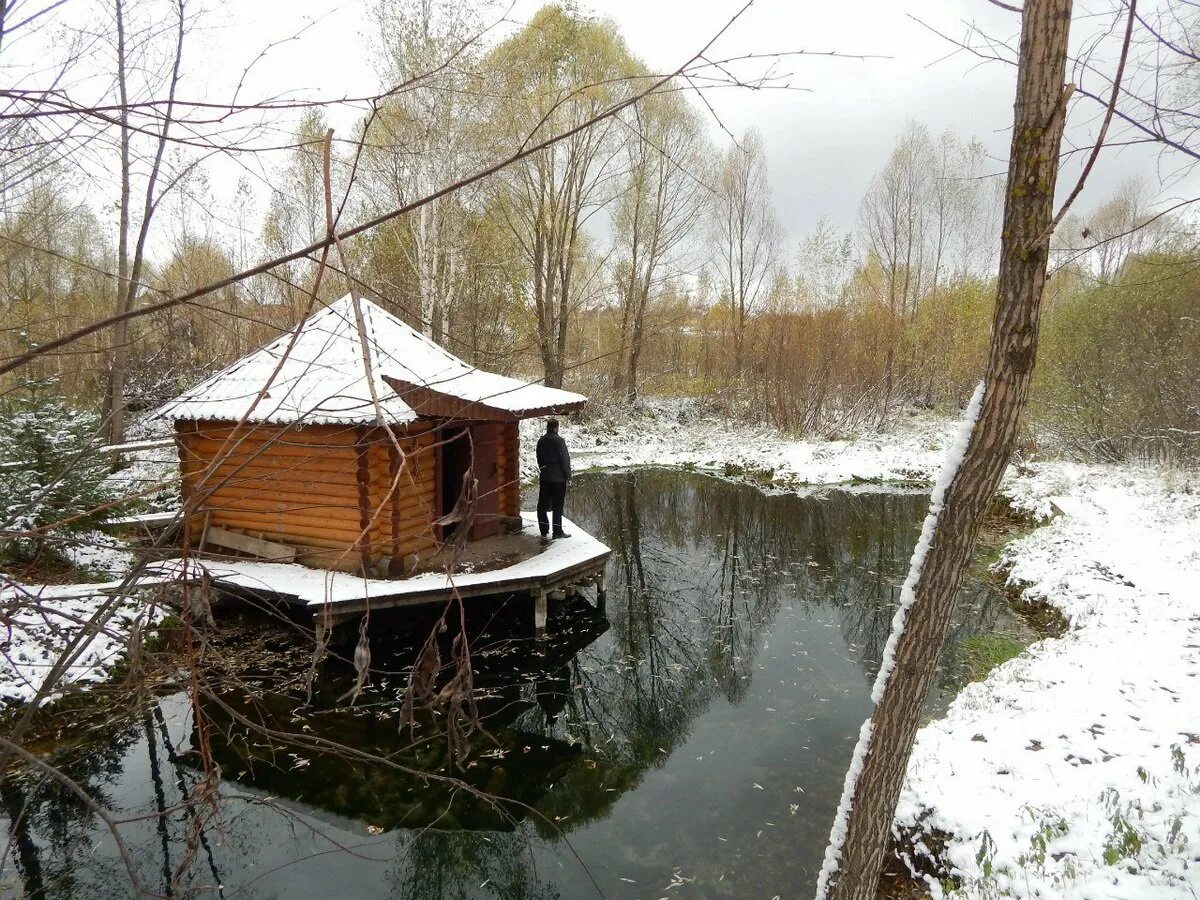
(345, 610)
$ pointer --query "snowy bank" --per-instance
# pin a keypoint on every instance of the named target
(37, 622)
(676, 434)
(1074, 770)
(40, 622)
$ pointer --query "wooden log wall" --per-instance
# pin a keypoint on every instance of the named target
(342, 495)
(403, 492)
(509, 459)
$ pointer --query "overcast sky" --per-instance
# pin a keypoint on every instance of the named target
(823, 142)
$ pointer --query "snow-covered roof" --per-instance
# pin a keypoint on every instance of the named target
(325, 378)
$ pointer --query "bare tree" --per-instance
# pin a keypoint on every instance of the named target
(746, 234)
(423, 137)
(296, 210)
(823, 265)
(653, 218)
(556, 73)
(923, 221)
(972, 471)
(1121, 228)
(131, 245)
(894, 219)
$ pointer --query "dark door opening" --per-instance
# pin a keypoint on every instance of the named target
(455, 461)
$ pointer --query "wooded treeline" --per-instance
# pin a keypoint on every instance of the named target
(636, 258)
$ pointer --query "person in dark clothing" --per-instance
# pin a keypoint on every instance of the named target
(554, 475)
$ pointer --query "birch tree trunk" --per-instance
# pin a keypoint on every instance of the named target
(129, 266)
(118, 361)
(860, 831)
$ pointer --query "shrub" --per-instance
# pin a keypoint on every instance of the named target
(51, 478)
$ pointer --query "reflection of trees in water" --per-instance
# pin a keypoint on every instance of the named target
(454, 865)
(56, 835)
(700, 569)
(52, 827)
(867, 587)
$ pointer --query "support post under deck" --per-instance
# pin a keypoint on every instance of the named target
(540, 605)
(601, 593)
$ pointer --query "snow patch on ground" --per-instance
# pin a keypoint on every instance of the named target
(151, 475)
(101, 553)
(38, 623)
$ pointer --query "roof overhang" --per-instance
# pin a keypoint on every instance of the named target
(432, 403)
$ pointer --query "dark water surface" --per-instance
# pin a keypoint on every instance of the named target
(690, 743)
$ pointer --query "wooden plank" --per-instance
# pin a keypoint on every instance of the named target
(305, 474)
(243, 543)
(406, 486)
(148, 519)
(320, 536)
(295, 478)
(300, 541)
(272, 456)
(363, 476)
(318, 532)
(305, 513)
(511, 501)
(326, 435)
(317, 510)
(314, 495)
(272, 453)
(256, 450)
(485, 438)
(394, 517)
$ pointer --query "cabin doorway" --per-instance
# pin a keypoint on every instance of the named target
(454, 460)
(461, 448)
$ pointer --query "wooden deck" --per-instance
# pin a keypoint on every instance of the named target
(500, 565)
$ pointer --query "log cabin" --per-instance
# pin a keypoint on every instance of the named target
(355, 443)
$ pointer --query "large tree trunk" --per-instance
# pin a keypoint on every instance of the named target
(965, 489)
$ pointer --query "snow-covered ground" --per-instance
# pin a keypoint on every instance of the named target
(1074, 770)
(40, 622)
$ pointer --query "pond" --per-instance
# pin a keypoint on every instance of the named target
(689, 742)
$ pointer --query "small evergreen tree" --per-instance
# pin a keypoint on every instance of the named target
(49, 473)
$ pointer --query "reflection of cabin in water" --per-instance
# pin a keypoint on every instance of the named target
(518, 693)
(356, 443)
